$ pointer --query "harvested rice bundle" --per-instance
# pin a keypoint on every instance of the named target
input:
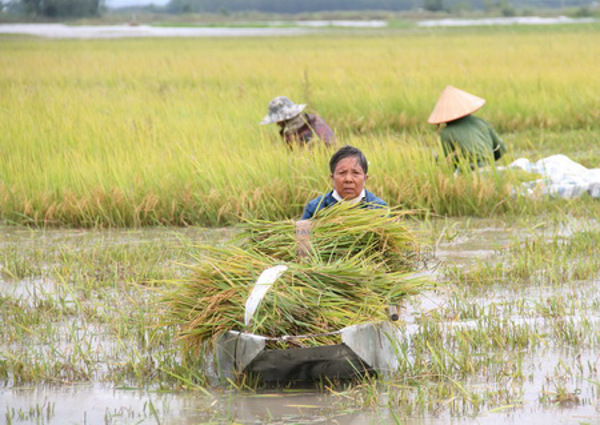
(341, 231)
(308, 298)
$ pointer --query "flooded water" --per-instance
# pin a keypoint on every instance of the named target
(128, 31)
(139, 31)
(516, 20)
(273, 28)
(96, 405)
(546, 371)
(343, 24)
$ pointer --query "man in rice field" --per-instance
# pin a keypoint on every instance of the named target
(465, 136)
(297, 128)
(349, 173)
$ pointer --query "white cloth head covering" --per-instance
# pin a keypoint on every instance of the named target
(281, 109)
(338, 197)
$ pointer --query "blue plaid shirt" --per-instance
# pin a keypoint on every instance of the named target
(328, 200)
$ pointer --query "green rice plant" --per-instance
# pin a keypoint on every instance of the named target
(377, 235)
(308, 298)
(20, 263)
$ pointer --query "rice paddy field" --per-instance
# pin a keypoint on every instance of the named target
(121, 158)
(123, 133)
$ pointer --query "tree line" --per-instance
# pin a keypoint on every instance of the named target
(287, 6)
(56, 8)
(304, 6)
(82, 8)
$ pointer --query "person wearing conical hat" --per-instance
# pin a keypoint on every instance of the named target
(465, 135)
(296, 127)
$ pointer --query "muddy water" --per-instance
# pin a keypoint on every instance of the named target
(460, 242)
(273, 29)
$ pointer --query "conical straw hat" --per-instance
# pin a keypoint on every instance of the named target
(453, 104)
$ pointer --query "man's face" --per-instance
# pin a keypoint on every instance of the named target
(349, 178)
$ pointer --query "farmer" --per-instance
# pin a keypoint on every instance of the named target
(349, 169)
(297, 128)
(465, 136)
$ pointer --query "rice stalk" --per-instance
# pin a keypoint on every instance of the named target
(377, 236)
(309, 298)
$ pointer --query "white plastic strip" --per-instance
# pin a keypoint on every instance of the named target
(266, 279)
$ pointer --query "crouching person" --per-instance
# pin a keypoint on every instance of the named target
(297, 128)
(465, 136)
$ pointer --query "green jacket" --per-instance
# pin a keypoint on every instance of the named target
(474, 138)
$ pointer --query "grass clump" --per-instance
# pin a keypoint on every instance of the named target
(549, 261)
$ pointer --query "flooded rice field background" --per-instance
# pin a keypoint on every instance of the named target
(270, 28)
(508, 335)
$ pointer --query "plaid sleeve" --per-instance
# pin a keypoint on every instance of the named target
(323, 131)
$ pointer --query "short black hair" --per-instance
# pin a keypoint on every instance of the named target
(346, 152)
